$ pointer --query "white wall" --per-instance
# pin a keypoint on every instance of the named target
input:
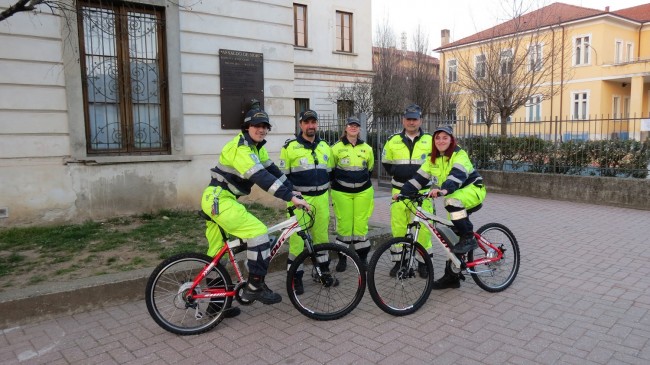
(46, 175)
(320, 70)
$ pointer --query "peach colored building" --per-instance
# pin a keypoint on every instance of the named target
(602, 74)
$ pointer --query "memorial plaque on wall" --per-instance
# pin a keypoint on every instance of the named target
(242, 80)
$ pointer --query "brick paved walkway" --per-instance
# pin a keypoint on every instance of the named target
(582, 297)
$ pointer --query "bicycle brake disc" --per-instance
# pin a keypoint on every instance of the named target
(180, 299)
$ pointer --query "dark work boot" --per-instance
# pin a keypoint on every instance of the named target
(395, 269)
(215, 307)
(363, 256)
(449, 280)
(467, 243)
(256, 289)
(342, 264)
(423, 270)
(298, 286)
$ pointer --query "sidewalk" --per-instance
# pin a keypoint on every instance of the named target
(582, 296)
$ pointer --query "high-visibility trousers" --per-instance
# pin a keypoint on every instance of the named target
(319, 231)
(352, 211)
(400, 216)
(458, 202)
(222, 206)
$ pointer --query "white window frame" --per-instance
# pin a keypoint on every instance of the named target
(480, 60)
(616, 106)
(629, 48)
(478, 117)
(626, 107)
(534, 108)
(535, 56)
(581, 44)
(452, 70)
(618, 51)
(582, 102)
(506, 57)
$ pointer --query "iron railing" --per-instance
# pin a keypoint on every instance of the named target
(599, 146)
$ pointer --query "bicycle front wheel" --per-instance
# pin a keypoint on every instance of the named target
(328, 294)
(496, 276)
(167, 293)
(395, 285)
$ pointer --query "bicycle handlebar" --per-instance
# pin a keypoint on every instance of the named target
(308, 213)
(419, 197)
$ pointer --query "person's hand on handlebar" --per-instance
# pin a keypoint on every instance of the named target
(434, 193)
(396, 196)
(299, 202)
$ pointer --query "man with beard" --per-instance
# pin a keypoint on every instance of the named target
(306, 161)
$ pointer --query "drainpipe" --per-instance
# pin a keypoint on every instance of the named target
(561, 80)
(552, 68)
(638, 42)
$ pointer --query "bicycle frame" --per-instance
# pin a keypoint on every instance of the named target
(287, 228)
(428, 220)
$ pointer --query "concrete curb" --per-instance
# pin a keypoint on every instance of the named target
(42, 301)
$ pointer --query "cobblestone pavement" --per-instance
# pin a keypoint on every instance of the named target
(582, 296)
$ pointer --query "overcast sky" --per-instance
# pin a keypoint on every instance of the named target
(462, 17)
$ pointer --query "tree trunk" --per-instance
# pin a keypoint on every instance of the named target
(504, 125)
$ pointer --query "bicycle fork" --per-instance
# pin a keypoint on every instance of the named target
(320, 262)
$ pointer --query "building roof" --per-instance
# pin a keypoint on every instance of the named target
(410, 55)
(553, 14)
(640, 13)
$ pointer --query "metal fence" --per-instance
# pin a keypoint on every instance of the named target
(601, 146)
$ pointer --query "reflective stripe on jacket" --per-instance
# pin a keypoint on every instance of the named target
(242, 163)
(401, 157)
(450, 174)
(307, 165)
(352, 166)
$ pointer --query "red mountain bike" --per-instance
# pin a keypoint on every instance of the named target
(493, 265)
(187, 294)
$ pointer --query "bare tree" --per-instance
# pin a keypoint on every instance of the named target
(388, 82)
(422, 72)
(32, 5)
(446, 101)
(360, 94)
(509, 67)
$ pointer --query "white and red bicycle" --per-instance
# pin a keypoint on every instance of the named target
(493, 265)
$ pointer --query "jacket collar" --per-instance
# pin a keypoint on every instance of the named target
(306, 143)
(346, 141)
(250, 142)
(404, 136)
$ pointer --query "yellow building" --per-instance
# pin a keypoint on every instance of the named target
(592, 68)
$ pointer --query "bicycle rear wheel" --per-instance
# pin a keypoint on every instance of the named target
(331, 294)
(168, 287)
(405, 292)
(496, 276)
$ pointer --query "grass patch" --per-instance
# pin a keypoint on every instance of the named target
(67, 270)
(92, 248)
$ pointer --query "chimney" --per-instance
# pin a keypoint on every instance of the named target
(607, 9)
(444, 37)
